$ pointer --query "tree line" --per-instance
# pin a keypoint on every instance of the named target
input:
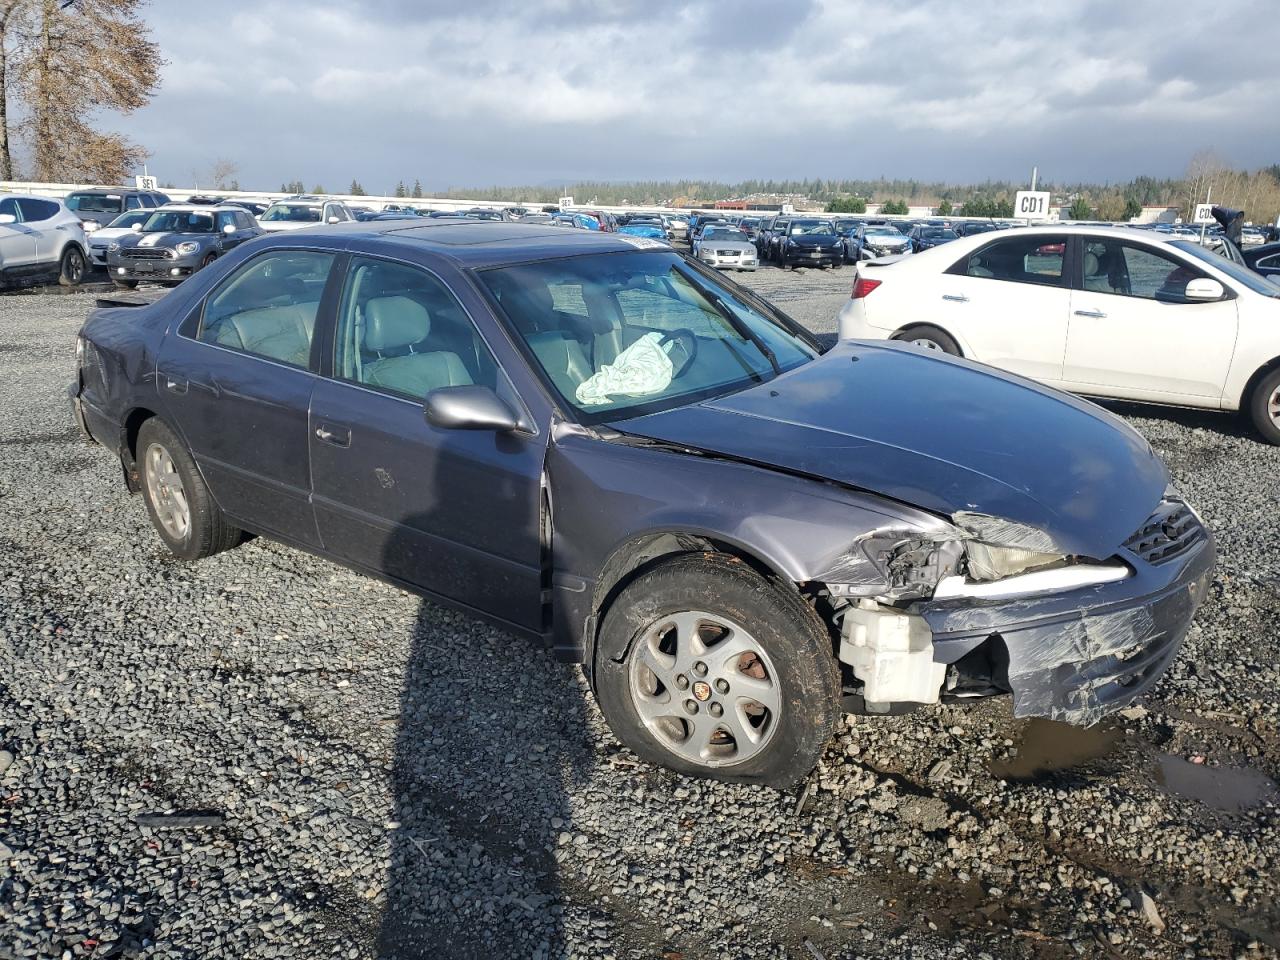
(62, 63)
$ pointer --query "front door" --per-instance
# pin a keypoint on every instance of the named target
(17, 243)
(1009, 301)
(237, 378)
(452, 512)
(1135, 334)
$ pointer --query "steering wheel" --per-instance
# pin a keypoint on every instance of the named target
(688, 343)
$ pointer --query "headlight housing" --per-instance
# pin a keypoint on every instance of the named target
(89, 225)
(187, 247)
(114, 247)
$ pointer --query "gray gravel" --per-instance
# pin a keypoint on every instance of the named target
(265, 755)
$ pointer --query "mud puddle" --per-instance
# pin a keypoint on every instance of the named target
(1224, 788)
(1047, 747)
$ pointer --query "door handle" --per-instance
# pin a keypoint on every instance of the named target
(955, 297)
(175, 385)
(337, 436)
(1096, 314)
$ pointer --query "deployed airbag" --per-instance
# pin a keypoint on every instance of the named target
(640, 370)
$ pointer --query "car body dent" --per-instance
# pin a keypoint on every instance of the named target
(919, 429)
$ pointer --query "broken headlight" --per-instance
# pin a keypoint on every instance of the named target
(990, 561)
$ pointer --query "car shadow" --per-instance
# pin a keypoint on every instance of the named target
(492, 739)
(1226, 423)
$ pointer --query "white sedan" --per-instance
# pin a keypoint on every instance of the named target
(1106, 312)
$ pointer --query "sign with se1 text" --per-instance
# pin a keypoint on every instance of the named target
(1031, 204)
(144, 183)
(1204, 213)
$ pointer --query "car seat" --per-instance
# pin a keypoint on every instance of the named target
(394, 325)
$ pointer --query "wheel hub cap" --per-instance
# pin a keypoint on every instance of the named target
(705, 688)
(1273, 407)
(168, 497)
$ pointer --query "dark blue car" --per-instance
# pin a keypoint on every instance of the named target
(615, 451)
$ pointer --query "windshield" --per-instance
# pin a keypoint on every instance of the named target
(95, 202)
(620, 335)
(1235, 271)
(723, 233)
(937, 233)
(884, 233)
(807, 228)
(291, 212)
(179, 221)
(127, 220)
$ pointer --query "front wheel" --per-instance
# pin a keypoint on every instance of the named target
(71, 267)
(181, 508)
(705, 667)
(208, 259)
(1264, 407)
(931, 338)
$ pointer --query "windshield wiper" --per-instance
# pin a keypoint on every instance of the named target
(739, 326)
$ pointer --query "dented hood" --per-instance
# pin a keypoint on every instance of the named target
(940, 433)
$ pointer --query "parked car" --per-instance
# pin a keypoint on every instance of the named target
(678, 224)
(809, 243)
(736, 542)
(651, 230)
(1121, 313)
(1264, 259)
(924, 237)
(726, 248)
(98, 241)
(971, 228)
(98, 207)
(296, 213)
(176, 241)
(40, 238)
(868, 242)
(255, 208)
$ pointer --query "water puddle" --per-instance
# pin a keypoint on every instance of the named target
(1047, 746)
(1223, 788)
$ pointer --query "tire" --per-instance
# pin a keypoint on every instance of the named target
(126, 284)
(931, 338)
(72, 267)
(1264, 407)
(171, 485)
(686, 723)
(208, 259)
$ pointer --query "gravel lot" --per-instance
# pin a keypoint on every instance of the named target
(363, 774)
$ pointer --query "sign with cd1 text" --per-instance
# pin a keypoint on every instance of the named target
(1031, 204)
(1204, 213)
(144, 183)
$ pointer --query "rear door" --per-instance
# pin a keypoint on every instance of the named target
(37, 216)
(1135, 334)
(453, 512)
(236, 378)
(1008, 301)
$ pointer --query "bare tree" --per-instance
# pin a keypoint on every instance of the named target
(222, 172)
(85, 56)
(13, 32)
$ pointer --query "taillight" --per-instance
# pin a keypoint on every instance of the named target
(862, 287)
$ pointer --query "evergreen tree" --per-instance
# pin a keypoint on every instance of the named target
(417, 189)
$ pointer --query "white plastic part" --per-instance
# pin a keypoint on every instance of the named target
(891, 652)
(642, 369)
(1030, 584)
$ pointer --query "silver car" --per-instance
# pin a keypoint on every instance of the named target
(726, 248)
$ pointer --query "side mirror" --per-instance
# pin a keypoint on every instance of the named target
(334, 220)
(1204, 289)
(137, 227)
(229, 228)
(8, 218)
(469, 408)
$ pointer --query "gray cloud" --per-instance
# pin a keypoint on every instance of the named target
(488, 92)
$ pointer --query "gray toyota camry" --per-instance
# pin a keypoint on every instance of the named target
(605, 447)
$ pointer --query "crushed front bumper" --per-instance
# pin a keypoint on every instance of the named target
(1079, 655)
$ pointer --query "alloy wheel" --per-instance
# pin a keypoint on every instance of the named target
(705, 688)
(1273, 407)
(927, 343)
(168, 496)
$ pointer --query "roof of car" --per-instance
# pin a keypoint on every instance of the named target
(476, 243)
(112, 191)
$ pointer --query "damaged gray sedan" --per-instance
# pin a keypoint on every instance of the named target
(611, 449)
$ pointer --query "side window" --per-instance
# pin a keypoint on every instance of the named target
(268, 307)
(226, 218)
(243, 221)
(1154, 276)
(34, 210)
(401, 331)
(1035, 259)
(133, 202)
(9, 206)
(1271, 263)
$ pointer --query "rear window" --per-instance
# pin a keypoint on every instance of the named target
(95, 202)
(1023, 259)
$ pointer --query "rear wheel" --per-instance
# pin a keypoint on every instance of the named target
(1264, 407)
(931, 338)
(72, 266)
(181, 508)
(709, 669)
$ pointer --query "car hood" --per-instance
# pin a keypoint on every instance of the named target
(271, 226)
(161, 239)
(743, 245)
(819, 240)
(939, 433)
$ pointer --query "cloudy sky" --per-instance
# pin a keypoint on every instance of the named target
(540, 91)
